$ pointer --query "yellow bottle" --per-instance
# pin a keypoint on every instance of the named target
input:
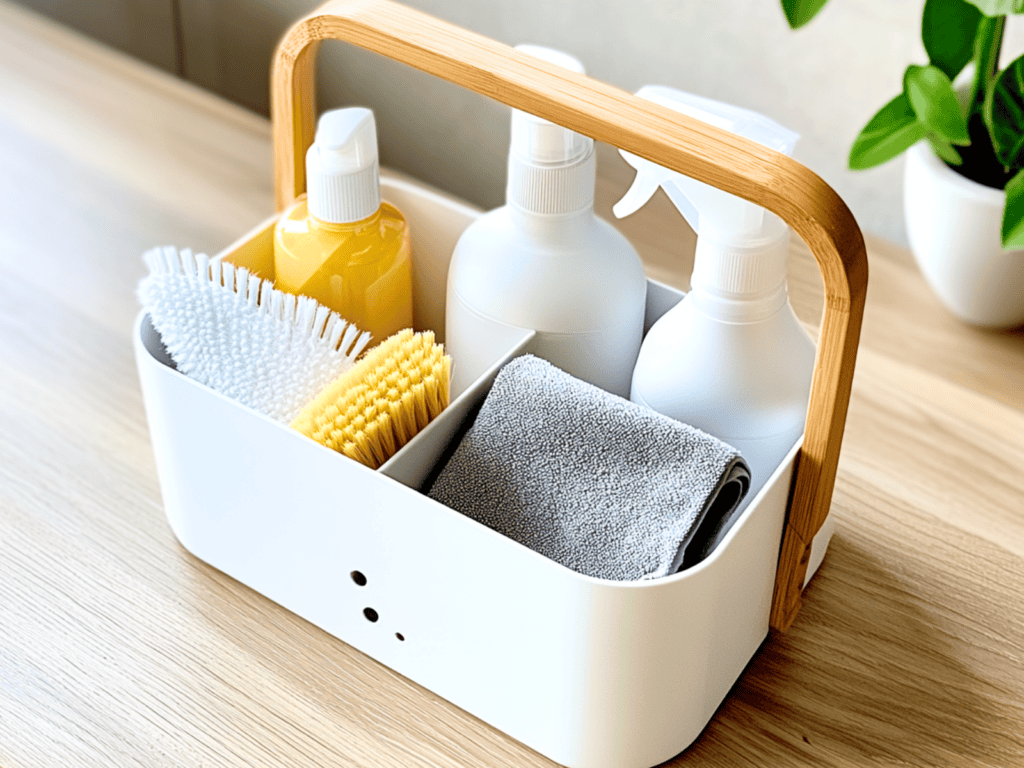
(341, 245)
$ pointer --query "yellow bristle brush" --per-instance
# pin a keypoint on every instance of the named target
(383, 401)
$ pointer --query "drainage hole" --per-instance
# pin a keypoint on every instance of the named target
(370, 614)
(358, 578)
(399, 635)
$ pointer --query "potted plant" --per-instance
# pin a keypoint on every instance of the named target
(964, 177)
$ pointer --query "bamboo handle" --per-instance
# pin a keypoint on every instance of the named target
(727, 161)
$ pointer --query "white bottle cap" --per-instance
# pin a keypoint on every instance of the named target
(342, 170)
(551, 169)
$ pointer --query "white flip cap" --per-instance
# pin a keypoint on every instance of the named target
(551, 169)
(342, 169)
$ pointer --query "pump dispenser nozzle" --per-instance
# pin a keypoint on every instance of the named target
(539, 141)
(342, 169)
(551, 170)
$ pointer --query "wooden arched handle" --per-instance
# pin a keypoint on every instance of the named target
(731, 163)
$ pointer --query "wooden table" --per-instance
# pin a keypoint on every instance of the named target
(119, 648)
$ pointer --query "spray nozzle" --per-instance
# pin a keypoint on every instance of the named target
(709, 211)
(539, 141)
(739, 266)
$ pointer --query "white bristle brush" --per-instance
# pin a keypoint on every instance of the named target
(237, 334)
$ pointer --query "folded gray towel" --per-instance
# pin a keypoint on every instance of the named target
(601, 485)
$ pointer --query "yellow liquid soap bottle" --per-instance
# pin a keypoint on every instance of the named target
(341, 245)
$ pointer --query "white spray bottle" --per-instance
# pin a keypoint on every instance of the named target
(731, 358)
(545, 261)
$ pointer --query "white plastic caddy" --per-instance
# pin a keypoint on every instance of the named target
(590, 673)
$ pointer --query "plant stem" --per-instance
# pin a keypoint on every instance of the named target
(987, 44)
(979, 160)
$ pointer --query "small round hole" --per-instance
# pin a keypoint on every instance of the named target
(399, 635)
(370, 614)
(358, 578)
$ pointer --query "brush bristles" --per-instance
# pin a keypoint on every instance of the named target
(369, 412)
(234, 332)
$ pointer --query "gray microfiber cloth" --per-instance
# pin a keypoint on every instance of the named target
(601, 485)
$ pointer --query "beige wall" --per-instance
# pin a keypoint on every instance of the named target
(824, 81)
(144, 28)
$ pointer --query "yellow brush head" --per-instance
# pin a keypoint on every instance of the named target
(372, 410)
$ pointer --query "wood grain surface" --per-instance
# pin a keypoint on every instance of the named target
(118, 648)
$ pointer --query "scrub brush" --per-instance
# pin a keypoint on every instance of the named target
(371, 411)
(235, 333)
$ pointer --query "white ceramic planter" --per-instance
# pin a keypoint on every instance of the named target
(953, 224)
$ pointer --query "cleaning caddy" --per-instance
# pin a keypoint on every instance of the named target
(586, 671)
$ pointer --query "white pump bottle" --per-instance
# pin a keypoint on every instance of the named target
(545, 261)
(731, 358)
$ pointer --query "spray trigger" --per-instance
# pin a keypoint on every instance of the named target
(639, 193)
(711, 213)
(646, 182)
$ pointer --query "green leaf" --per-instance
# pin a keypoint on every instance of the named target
(948, 28)
(799, 12)
(892, 130)
(998, 7)
(946, 152)
(1004, 114)
(931, 94)
(1013, 213)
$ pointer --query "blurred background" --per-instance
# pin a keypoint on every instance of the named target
(824, 81)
